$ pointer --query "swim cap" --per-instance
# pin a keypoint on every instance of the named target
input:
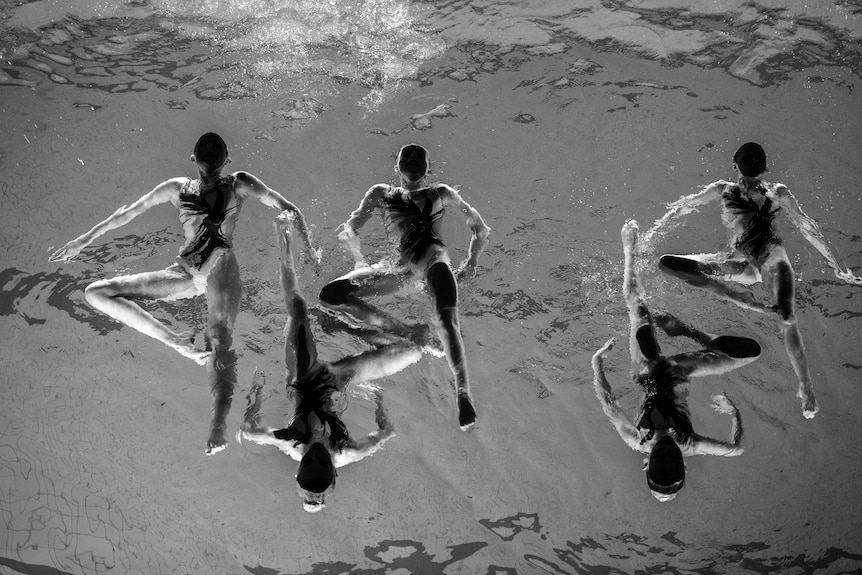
(209, 135)
(424, 158)
(750, 159)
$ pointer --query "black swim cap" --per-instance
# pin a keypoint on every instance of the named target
(412, 147)
(320, 480)
(209, 135)
(750, 159)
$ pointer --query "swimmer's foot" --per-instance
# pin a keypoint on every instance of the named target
(183, 343)
(810, 407)
(629, 233)
(216, 442)
(466, 411)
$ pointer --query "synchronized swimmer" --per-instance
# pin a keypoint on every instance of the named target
(757, 254)
(663, 428)
(209, 209)
(317, 437)
(411, 216)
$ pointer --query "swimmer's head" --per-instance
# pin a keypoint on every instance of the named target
(412, 162)
(665, 469)
(210, 151)
(315, 478)
(750, 160)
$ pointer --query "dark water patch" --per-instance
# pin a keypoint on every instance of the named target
(23, 293)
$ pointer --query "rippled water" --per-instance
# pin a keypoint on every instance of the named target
(558, 121)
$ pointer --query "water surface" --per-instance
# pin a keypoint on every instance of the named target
(558, 124)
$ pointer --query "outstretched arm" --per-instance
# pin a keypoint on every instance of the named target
(376, 363)
(347, 230)
(605, 395)
(811, 231)
(707, 446)
(165, 192)
(478, 227)
(682, 207)
(251, 429)
(369, 444)
(254, 187)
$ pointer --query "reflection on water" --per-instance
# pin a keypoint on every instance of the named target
(100, 463)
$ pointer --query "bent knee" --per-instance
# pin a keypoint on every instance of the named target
(738, 347)
(688, 270)
(99, 290)
(336, 292)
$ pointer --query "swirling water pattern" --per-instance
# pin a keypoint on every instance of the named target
(559, 122)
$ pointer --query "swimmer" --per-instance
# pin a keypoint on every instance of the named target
(316, 436)
(209, 209)
(663, 428)
(411, 217)
(757, 254)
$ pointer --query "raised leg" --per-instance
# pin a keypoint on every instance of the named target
(345, 295)
(642, 340)
(114, 297)
(300, 350)
(699, 271)
(224, 290)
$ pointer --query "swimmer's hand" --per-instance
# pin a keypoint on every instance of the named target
(609, 345)
(848, 276)
(465, 271)
(67, 252)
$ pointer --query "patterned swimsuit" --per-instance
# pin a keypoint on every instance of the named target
(206, 219)
(758, 236)
(415, 226)
(664, 406)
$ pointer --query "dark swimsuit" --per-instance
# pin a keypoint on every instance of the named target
(194, 208)
(663, 408)
(314, 393)
(416, 226)
(758, 237)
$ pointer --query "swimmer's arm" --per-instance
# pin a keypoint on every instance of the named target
(605, 395)
(707, 446)
(478, 227)
(266, 436)
(251, 185)
(376, 363)
(347, 230)
(167, 191)
(682, 207)
(369, 444)
(811, 231)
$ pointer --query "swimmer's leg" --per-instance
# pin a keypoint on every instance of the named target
(699, 270)
(224, 290)
(300, 350)
(444, 297)
(642, 341)
(344, 294)
(726, 353)
(114, 298)
(779, 280)
(375, 363)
